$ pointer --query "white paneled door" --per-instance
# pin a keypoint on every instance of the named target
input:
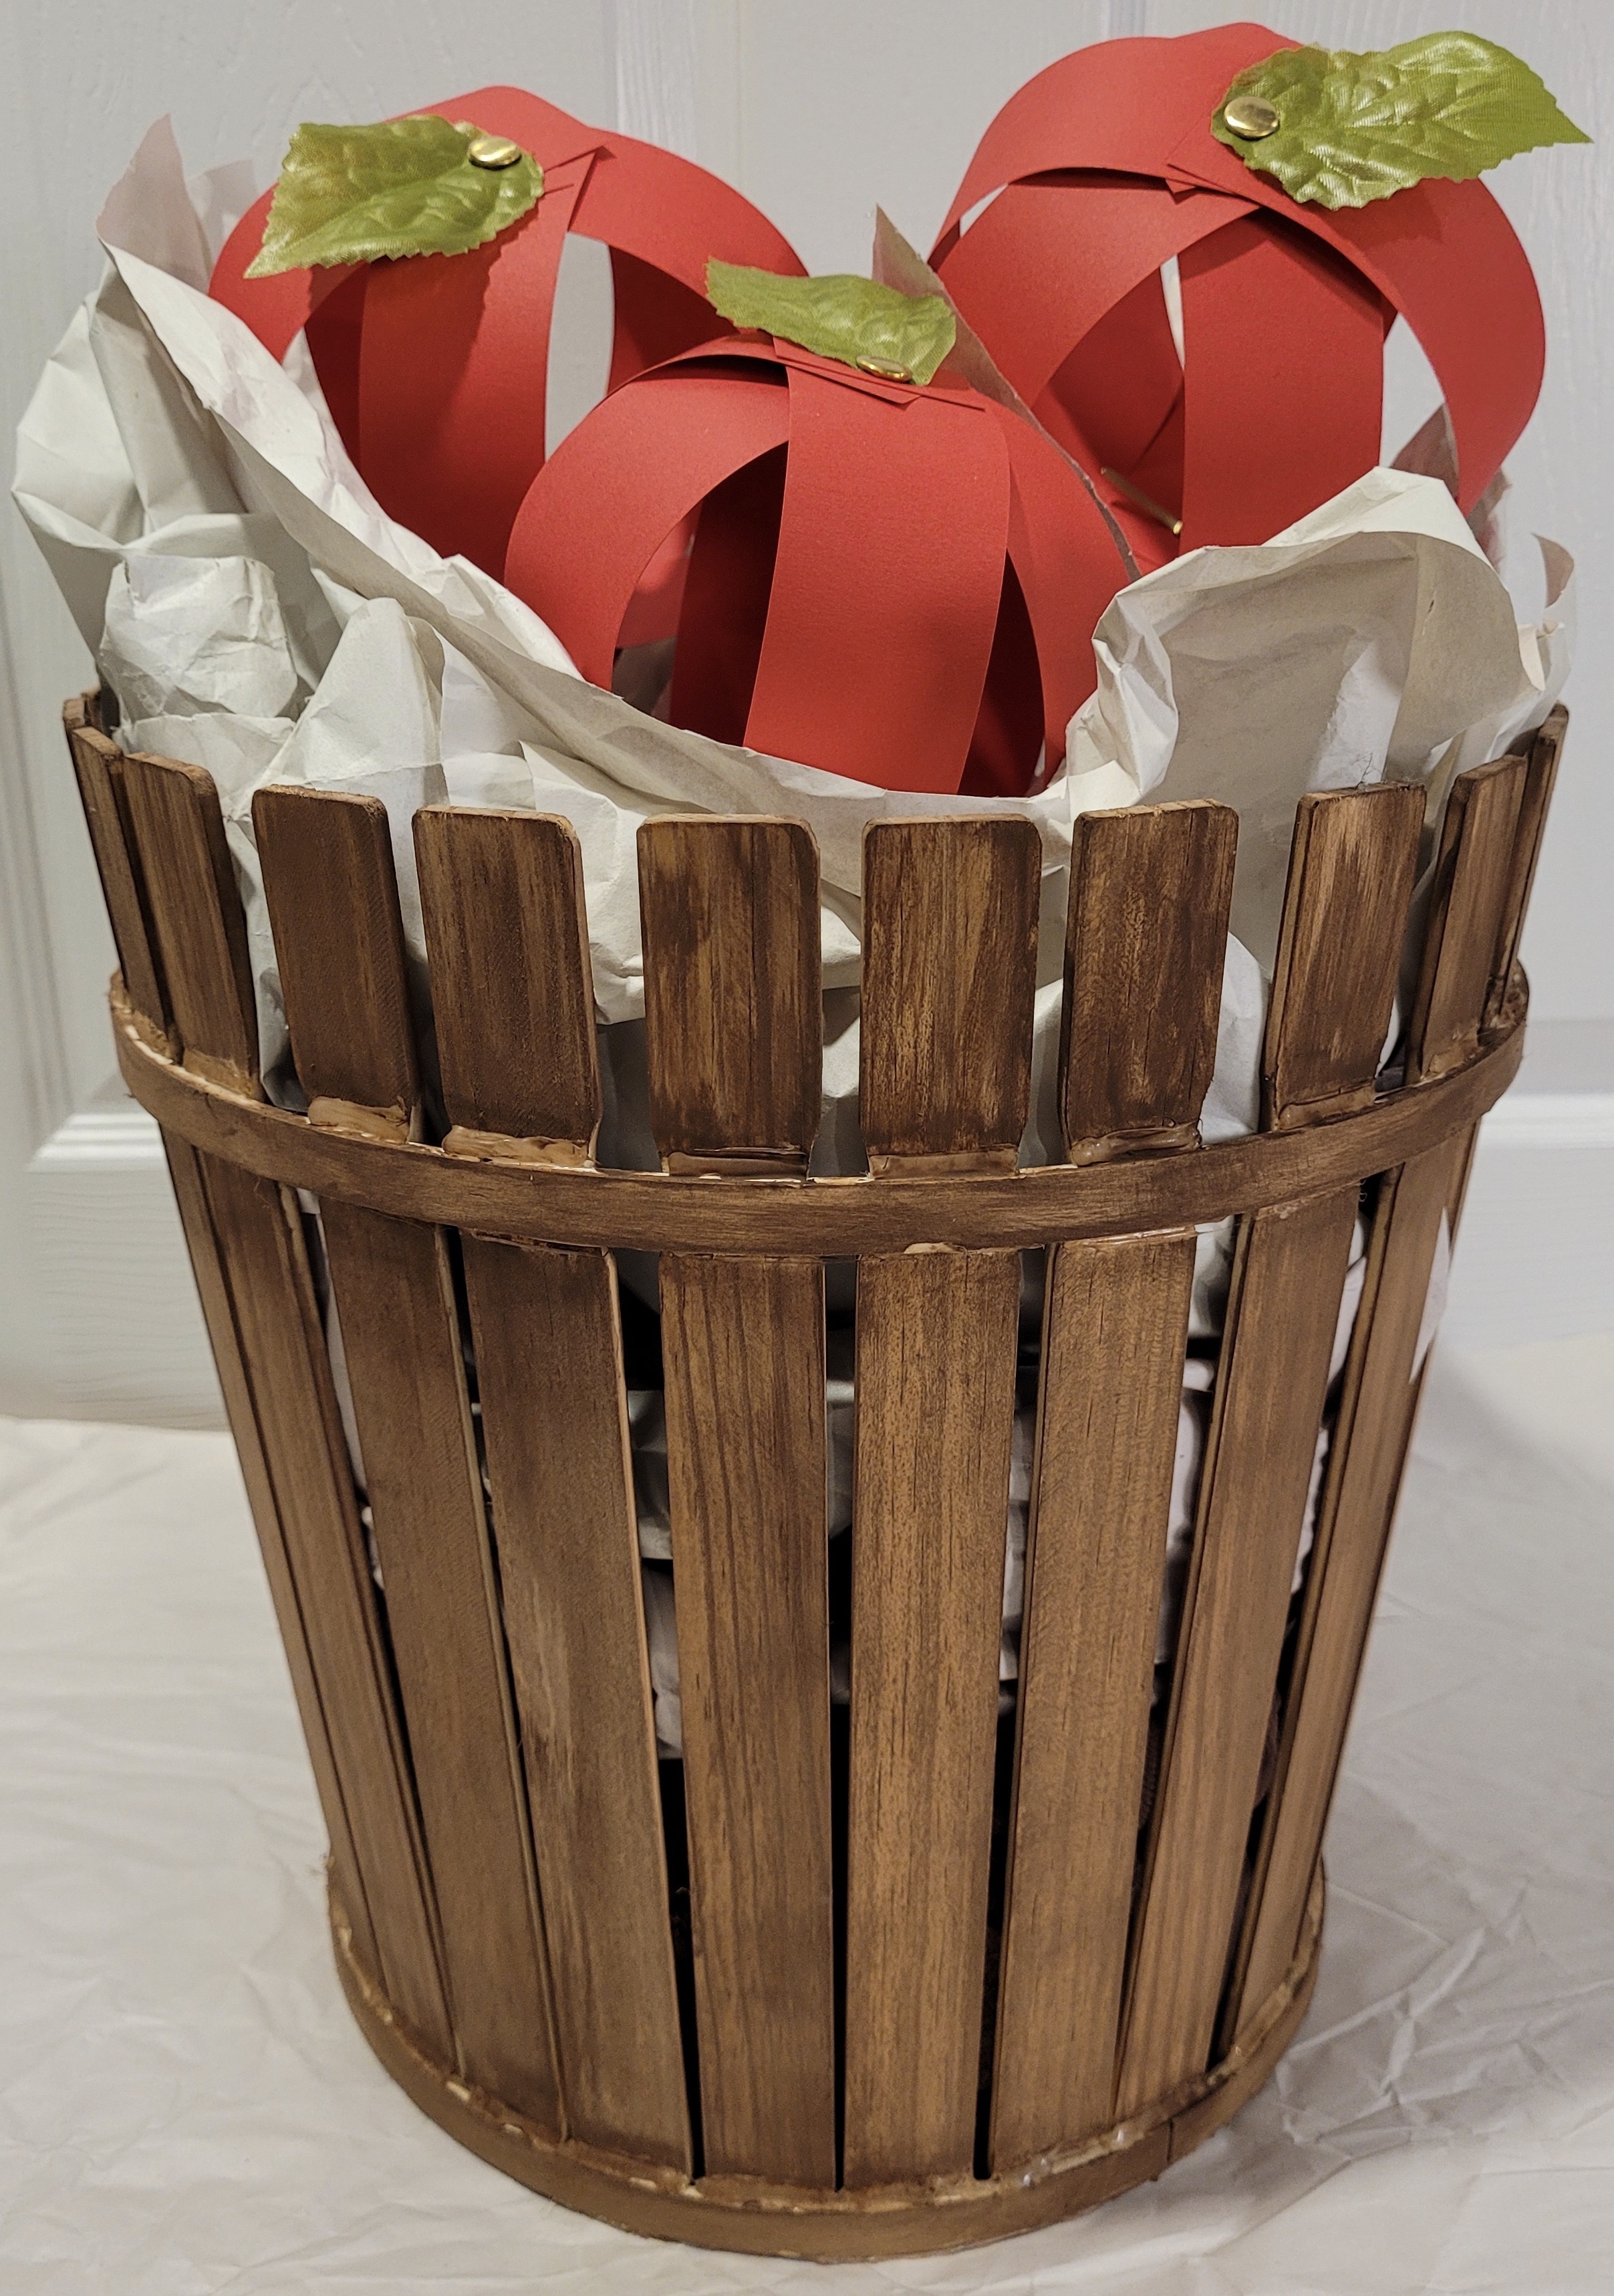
(817, 113)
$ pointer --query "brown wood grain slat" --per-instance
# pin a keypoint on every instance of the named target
(1351, 871)
(549, 1373)
(1329, 1011)
(502, 897)
(98, 766)
(218, 1311)
(394, 1294)
(201, 933)
(744, 1349)
(936, 1345)
(1114, 1336)
(1149, 891)
(733, 1039)
(733, 1014)
(1468, 904)
(1541, 775)
(332, 903)
(950, 915)
(1355, 1515)
(265, 1319)
(276, 1317)
(1288, 1275)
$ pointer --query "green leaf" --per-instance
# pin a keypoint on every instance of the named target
(884, 332)
(1357, 128)
(401, 187)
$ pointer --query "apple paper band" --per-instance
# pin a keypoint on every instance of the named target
(435, 371)
(1143, 108)
(919, 616)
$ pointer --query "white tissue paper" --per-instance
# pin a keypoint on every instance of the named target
(258, 614)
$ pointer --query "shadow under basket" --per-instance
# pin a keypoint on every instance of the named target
(846, 1980)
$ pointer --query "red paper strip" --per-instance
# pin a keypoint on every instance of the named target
(618, 485)
(1068, 567)
(1046, 262)
(453, 370)
(891, 546)
(1285, 345)
(1120, 105)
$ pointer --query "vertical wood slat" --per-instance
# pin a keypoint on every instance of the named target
(1354, 1522)
(950, 913)
(186, 1168)
(196, 912)
(341, 955)
(1327, 1021)
(98, 767)
(730, 915)
(1468, 904)
(1140, 1047)
(331, 898)
(502, 898)
(257, 1295)
(1351, 867)
(1151, 887)
(1289, 1271)
(733, 1011)
(1541, 775)
(1475, 941)
(507, 937)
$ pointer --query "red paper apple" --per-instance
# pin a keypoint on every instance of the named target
(894, 582)
(1104, 166)
(434, 366)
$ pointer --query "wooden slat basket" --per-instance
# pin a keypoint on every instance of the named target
(932, 1961)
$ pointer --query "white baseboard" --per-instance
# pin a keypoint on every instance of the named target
(1536, 1258)
(120, 1335)
(123, 1336)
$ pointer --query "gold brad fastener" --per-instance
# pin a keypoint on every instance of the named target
(493, 151)
(885, 370)
(1250, 117)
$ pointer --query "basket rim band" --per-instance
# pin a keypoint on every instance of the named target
(813, 1219)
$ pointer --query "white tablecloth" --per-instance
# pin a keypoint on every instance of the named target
(185, 2106)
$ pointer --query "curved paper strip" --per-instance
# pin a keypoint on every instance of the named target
(1069, 569)
(1284, 380)
(1144, 107)
(891, 547)
(276, 309)
(616, 488)
(1447, 258)
(1119, 105)
(452, 364)
(1136, 431)
(1041, 272)
(723, 613)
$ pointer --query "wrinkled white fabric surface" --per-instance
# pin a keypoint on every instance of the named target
(185, 2106)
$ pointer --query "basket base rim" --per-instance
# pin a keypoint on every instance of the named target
(766, 2219)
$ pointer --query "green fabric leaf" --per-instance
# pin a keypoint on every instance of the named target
(842, 317)
(401, 187)
(1357, 128)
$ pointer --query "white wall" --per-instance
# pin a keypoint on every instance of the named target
(818, 113)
